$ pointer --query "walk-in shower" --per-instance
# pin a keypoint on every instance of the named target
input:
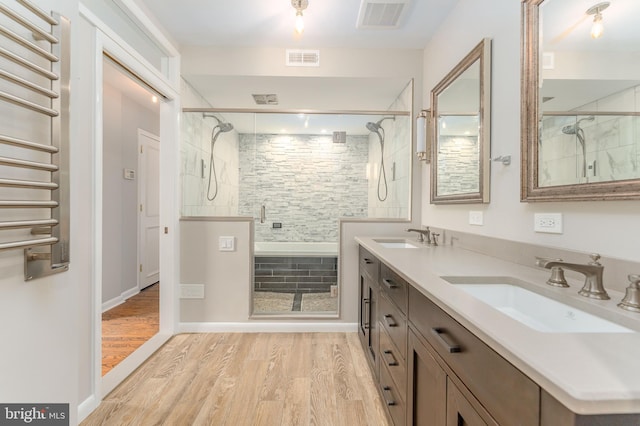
(382, 175)
(221, 127)
(576, 129)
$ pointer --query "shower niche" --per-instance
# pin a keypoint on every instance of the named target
(296, 174)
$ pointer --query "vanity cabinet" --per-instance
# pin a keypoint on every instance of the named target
(392, 329)
(367, 308)
(432, 371)
(507, 394)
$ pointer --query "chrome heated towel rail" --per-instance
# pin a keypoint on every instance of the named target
(34, 170)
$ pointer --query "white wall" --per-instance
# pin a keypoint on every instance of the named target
(40, 331)
(122, 118)
(609, 228)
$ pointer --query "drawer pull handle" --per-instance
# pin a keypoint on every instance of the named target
(390, 284)
(446, 341)
(388, 318)
(389, 355)
(366, 324)
(387, 390)
(367, 261)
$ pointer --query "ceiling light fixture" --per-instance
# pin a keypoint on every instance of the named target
(299, 6)
(597, 28)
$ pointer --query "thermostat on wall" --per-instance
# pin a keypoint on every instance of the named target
(129, 174)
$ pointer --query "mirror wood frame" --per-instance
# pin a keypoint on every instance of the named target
(481, 53)
(529, 119)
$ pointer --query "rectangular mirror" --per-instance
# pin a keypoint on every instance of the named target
(461, 105)
(581, 100)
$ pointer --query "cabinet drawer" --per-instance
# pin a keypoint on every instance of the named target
(391, 397)
(369, 264)
(394, 286)
(394, 323)
(510, 396)
(396, 367)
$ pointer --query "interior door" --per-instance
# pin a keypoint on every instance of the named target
(149, 208)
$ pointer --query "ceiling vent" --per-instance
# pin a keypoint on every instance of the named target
(270, 99)
(381, 14)
(303, 58)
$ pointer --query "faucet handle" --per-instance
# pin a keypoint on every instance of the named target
(594, 259)
(631, 301)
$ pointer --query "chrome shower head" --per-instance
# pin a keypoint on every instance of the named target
(572, 129)
(225, 127)
(373, 127)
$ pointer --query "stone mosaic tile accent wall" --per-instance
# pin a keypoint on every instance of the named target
(612, 143)
(458, 165)
(295, 274)
(305, 182)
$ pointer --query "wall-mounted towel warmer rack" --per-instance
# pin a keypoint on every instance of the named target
(34, 181)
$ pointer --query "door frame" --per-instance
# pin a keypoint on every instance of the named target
(142, 190)
(107, 41)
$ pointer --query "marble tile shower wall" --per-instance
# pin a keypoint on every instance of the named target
(397, 168)
(305, 182)
(397, 159)
(458, 159)
(612, 143)
(196, 148)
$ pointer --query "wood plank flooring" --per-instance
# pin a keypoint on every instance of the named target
(127, 326)
(249, 379)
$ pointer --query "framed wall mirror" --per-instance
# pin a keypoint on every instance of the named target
(460, 127)
(580, 100)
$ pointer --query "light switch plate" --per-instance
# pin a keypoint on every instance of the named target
(476, 218)
(227, 243)
(549, 223)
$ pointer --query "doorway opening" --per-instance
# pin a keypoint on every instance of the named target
(130, 226)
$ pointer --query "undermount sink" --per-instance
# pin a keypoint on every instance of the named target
(395, 243)
(535, 310)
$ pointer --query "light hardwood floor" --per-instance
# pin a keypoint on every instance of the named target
(128, 326)
(249, 379)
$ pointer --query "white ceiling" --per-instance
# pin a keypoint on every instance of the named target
(328, 23)
(270, 23)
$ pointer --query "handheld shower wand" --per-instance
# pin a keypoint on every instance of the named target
(382, 175)
(575, 129)
(221, 127)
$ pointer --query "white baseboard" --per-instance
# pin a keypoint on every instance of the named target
(86, 407)
(267, 327)
(128, 365)
(110, 304)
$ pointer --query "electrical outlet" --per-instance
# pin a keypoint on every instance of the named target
(550, 223)
(334, 291)
(476, 218)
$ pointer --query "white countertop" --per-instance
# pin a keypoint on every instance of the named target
(590, 373)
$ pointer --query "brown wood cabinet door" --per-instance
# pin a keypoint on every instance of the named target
(459, 410)
(427, 388)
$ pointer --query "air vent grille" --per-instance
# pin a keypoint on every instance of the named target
(303, 58)
(267, 99)
(381, 14)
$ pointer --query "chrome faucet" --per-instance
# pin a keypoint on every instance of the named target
(422, 233)
(593, 271)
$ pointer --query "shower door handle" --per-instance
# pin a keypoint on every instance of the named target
(263, 213)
